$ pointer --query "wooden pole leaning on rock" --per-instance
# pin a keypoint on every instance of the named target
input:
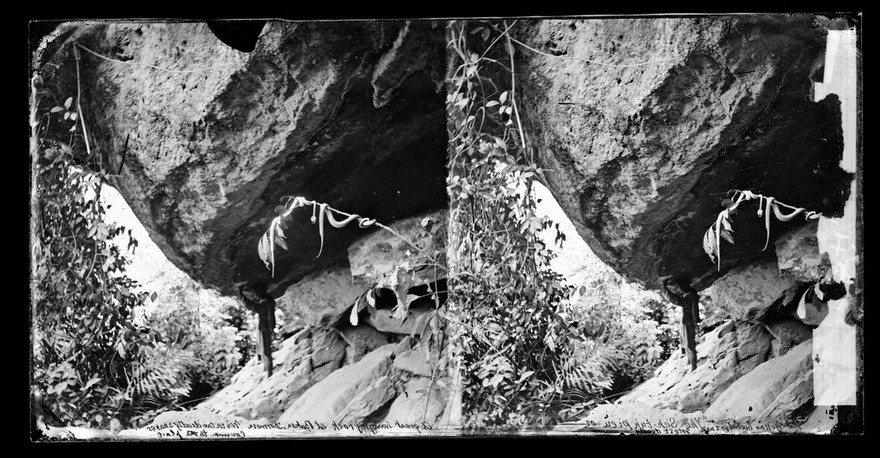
(257, 299)
(689, 300)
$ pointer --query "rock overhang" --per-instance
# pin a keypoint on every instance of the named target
(346, 113)
(641, 155)
(644, 125)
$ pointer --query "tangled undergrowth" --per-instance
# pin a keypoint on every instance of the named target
(529, 356)
(520, 359)
(94, 361)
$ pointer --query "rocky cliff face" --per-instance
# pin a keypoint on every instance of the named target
(206, 138)
(642, 137)
(755, 367)
(347, 361)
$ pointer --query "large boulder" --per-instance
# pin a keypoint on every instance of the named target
(749, 292)
(319, 298)
(205, 139)
(367, 402)
(736, 380)
(411, 254)
(375, 256)
(361, 340)
(416, 359)
(412, 322)
(724, 355)
(332, 396)
(775, 389)
(798, 256)
(398, 259)
(302, 361)
(787, 334)
(420, 401)
(753, 346)
(643, 126)
(328, 347)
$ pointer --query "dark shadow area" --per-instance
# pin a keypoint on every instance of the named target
(239, 35)
(386, 164)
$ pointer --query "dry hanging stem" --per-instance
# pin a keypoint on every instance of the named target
(723, 229)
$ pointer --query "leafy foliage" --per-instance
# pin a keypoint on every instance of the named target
(667, 334)
(94, 363)
(198, 336)
(516, 350)
(626, 335)
(722, 229)
(529, 356)
(86, 347)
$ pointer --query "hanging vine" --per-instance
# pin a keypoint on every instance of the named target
(519, 357)
(398, 281)
(90, 361)
(722, 228)
(93, 365)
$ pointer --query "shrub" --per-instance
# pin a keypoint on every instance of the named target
(511, 340)
(86, 350)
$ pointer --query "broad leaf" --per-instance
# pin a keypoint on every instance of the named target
(353, 318)
(263, 251)
(726, 236)
(709, 243)
(725, 223)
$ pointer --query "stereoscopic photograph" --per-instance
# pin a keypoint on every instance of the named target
(512, 226)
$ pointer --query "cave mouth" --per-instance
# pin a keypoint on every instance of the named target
(239, 35)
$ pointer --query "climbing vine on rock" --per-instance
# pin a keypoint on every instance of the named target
(85, 345)
(722, 228)
(513, 344)
(91, 363)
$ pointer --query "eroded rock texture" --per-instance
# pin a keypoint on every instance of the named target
(346, 113)
(645, 124)
(771, 390)
(725, 354)
(348, 362)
